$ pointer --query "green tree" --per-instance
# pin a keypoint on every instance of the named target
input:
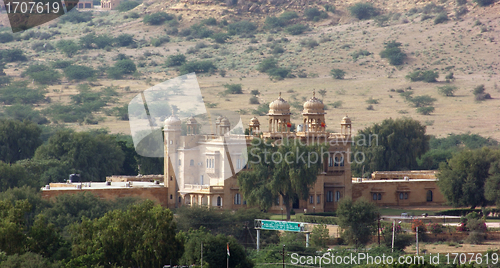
(94, 156)
(288, 177)
(392, 51)
(12, 55)
(214, 250)
(426, 110)
(175, 60)
(12, 226)
(142, 236)
(447, 90)
(394, 144)
(197, 67)
(127, 5)
(363, 11)
(68, 47)
(319, 236)
(157, 18)
(233, 88)
(78, 72)
(18, 140)
(45, 239)
(337, 73)
(296, 29)
(42, 74)
(428, 76)
(267, 64)
(422, 101)
(462, 178)
(20, 92)
(124, 40)
(357, 219)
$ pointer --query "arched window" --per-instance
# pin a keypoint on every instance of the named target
(379, 196)
(329, 196)
(171, 196)
(311, 199)
(429, 196)
(237, 199)
(374, 196)
(337, 196)
(180, 199)
(401, 196)
(191, 162)
(330, 161)
(219, 201)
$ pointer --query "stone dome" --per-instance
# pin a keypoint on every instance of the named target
(219, 118)
(314, 105)
(346, 120)
(224, 122)
(172, 121)
(191, 121)
(254, 122)
(279, 106)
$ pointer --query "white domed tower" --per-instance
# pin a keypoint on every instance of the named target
(279, 116)
(192, 126)
(345, 126)
(254, 126)
(172, 140)
(314, 115)
(225, 126)
(217, 124)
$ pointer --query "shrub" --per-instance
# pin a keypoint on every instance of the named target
(336, 104)
(220, 37)
(157, 18)
(255, 92)
(267, 64)
(274, 22)
(12, 55)
(310, 43)
(68, 47)
(319, 236)
(435, 228)
(478, 90)
(42, 74)
(159, 41)
(314, 14)
(6, 37)
(126, 66)
(484, 3)
(278, 73)
(426, 76)
(421, 101)
(41, 46)
(449, 77)
(127, 5)
(254, 100)
(75, 16)
(370, 107)
(124, 40)
(288, 15)
(296, 29)
(461, 2)
(19, 92)
(175, 60)
(425, 110)
(355, 55)
(442, 17)
(25, 112)
(337, 73)
(394, 53)
(78, 72)
(363, 11)
(197, 67)
(372, 101)
(241, 27)
(233, 89)
(200, 31)
(479, 93)
(447, 90)
(61, 64)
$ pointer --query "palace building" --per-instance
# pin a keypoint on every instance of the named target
(202, 169)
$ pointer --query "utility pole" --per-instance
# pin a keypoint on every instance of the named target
(283, 256)
(202, 254)
(393, 229)
(378, 229)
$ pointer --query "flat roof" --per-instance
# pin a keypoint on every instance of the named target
(355, 180)
(101, 185)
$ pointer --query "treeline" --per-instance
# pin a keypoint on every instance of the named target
(83, 230)
(26, 160)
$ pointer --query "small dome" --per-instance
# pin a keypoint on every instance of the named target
(219, 118)
(224, 122)
(279, 106)
(254, 122)
(346, 120)
(192, 121)
(172, 121)
(314, 105)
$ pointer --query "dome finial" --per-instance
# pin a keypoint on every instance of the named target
(280, 94)
(314, 93)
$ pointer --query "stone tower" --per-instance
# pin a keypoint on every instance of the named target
(172, 140)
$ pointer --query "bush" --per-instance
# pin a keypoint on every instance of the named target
(484, 3)
(254, 100)
(461, 2)
(310, 43)
(421, 101)
(42, 74)
(157, 18)
(197, 67)
(78, 72)
(121, 67)
(426, 76)
(6, 37)
(127, 5)
(319, 236)
(220, 38)
(435, 228)
(288, 15)
(175, 60)
(19, 92)
(278, 73)
(355, 55)
(318, 219)
(447, 90)
(479, 93)
(233, 89)
(314, 14)
(68, 47)
(372, 101)
(12, 55)
(478, 90)
(442, 17)
(61, 64)
(75, 16)
(267, 64)
(156, 42)
(460, 11)
(363, 11)
(25, 112)
(241, 27)
(394, 53)
(336, 104)
(425, 110)
(96, 41)
(41, 46)
(296, 29)
(337, 73)
(124, 40)
(274, 22)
